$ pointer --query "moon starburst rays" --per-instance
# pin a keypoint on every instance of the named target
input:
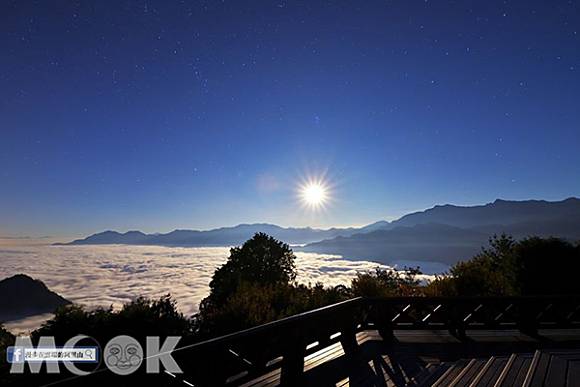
(314, 194)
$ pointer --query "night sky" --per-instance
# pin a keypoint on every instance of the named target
(192, 114)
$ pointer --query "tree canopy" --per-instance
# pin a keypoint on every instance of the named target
(531, 266)
(262, 261)
(257, 285)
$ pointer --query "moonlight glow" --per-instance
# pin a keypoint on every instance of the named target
(314, 194)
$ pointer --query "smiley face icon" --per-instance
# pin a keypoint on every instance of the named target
(123, 355)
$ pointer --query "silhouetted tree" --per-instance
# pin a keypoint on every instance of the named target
(386, 283)
(546, 266)
(139, 318)
(490, 272)
(531, 266)
(261, 260)
(255, 286)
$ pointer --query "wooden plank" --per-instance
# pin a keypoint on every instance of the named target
(539, 375)
(458, 378)
(513, 372)
(450, 374)
(505, 370)
(573, 376)
(482, 371)
(435, 375)
(322, 351)
(323, 357)
(532, 369)
(264, 380)
(423, 374)
(409, 360)
(492, 373)
(472, 373)
(521, 375)
(556, 375)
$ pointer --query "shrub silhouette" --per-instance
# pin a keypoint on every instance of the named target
(6, 339)
(532, 266)
(546, 266)
(138, 318)
(386, 283)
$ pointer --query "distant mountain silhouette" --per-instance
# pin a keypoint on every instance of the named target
(22, 296)
(444, 233)
(451, 233)
(380, 225)
(422, 242)
(226, 236)
(499, 212)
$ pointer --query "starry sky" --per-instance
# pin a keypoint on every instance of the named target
(157, 115)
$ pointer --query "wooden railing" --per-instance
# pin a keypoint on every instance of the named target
(243, 355)
(459, 314)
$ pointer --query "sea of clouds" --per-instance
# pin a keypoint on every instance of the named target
(112, 275)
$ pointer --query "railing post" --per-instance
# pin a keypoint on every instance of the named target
(293, 363)
(527, 323)
(455, 315)
(348, 341)
(352, 317)
(386, 333)
(382, 320)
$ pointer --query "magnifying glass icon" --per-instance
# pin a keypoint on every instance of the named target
(89, 354)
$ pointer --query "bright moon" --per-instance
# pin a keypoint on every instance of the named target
(314, 194)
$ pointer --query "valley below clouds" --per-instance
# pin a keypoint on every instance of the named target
(113, 274)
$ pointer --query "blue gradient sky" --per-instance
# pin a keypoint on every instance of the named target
(162, 115)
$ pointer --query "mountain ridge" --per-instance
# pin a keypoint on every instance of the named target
(230, 235)
(33, 298)
(443, 233)
(406, 239)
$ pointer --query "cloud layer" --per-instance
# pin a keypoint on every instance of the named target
(113, 275)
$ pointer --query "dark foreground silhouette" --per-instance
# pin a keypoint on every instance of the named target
(257, 285)
(22, 296)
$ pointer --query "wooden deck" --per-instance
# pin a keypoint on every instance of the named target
(399, 341)
(396, 341)
(432, 358)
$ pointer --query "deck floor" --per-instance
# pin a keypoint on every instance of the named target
(412, 353)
